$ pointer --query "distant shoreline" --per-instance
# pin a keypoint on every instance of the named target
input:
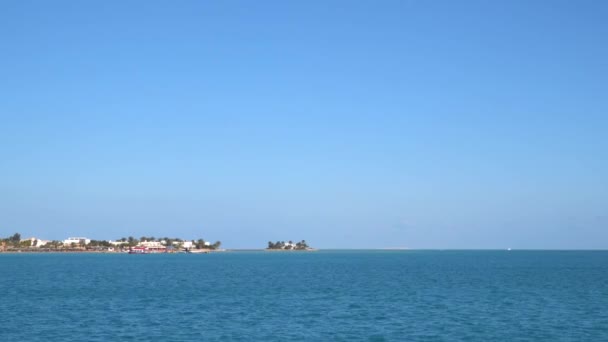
(311, 250)
(202, 251)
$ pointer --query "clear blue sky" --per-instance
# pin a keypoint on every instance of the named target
(422, 124)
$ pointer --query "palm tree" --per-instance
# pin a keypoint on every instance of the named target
(132, 241)
(15, 239)
(200, 244)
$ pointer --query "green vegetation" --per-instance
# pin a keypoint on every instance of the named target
(14, 241)
(132, 241)
(302, 245)
(99, 243)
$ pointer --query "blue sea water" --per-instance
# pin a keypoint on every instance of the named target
(319, 296)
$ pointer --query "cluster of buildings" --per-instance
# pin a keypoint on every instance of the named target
(35, 242)
(147, 245)
(162, 246)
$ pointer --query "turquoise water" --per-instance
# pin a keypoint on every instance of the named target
(321, 296)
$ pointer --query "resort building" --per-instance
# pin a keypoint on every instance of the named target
(150, 246)
(40, 243)
(34, 242)
(76, 240)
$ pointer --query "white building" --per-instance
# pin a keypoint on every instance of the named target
(34, 242)
(188, 244)
(40, 243)
(151, 244)
(117, 243)
(76, 240)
